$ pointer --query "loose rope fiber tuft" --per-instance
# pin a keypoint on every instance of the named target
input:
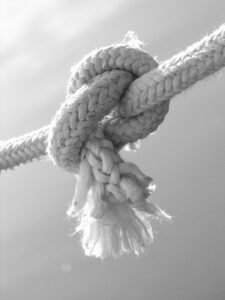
(116, 95)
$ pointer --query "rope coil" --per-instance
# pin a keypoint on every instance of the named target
(116, 95)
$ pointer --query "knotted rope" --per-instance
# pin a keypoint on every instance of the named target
(116, 95)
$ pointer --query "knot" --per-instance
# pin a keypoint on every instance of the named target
(112, 196)
(96, 88)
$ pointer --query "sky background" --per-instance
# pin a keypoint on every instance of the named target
(39, 42)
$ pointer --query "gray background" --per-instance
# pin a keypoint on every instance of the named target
(40, 40)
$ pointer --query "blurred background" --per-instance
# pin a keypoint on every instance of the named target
(39, 42)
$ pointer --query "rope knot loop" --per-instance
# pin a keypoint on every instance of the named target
(96, 88)
(111, 196)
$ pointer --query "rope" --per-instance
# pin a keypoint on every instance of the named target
(170, 78)
(116, 95)
(23, 149)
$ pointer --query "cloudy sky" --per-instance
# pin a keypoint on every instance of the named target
(39, 42)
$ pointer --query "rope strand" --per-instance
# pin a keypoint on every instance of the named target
(176, 74)
(23, 149)
(168, 79)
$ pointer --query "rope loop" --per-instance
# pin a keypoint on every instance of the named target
(95, 91)
(111, 196)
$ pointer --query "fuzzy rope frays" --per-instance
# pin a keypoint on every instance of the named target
(112, 197)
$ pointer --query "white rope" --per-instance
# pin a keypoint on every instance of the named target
(116, 95)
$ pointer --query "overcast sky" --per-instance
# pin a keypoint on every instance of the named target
(40, 41)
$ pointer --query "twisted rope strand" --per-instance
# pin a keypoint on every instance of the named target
(176, 74)
(23, 149)
(170, 78)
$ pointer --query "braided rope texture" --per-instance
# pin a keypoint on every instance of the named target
(95, 88)
(168, 79)
(23, 149)
(116, 95)
(111, 196)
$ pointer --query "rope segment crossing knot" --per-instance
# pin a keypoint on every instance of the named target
(111, 197)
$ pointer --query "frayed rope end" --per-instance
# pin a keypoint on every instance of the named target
(112, 204)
